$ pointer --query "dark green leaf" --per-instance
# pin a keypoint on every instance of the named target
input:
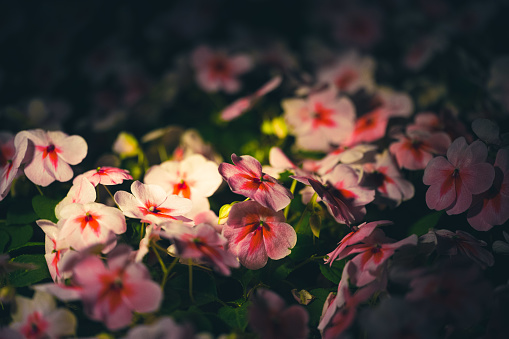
(235, 317)
(20, 212)
(315, 307)
(196, 317)
(20, 235)
(44, 207)
(4, 239)
(204, 286)
(26, 277)
(315, 222)
(26, 246)
(334, 272)
(423, 225)
(305, 247)
(171, 301)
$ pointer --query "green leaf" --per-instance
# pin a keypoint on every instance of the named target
(20, 212)
(20, 235)
(334, 272)
(204, 286)
(315, 222)
(4, 239)
(304, 249)
(171, 301)
(315, 307)
(26, 277)
(44, 207)
(423, 225)
(283, 270)
(235, 317)
(27, 245)
(195, 316)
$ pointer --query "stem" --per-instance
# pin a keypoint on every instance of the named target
(168, 270)
(141, 230)
(111, 195)
(292, 189)
(39, 189)
(163, 155)
(161, 262)
(191, 280)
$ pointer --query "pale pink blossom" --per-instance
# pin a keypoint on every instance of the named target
(151, 203)
(11, 158)
(256, 233)
(53, 152)
(454, 180)
(81, 192)
(163, 328)
(105, 176)
(320, 121)
(241, 105)
(215, 70)
(55, 247)
(491, 207)
(113, 292)
(91, 223)
(204, 244)
(396, 104)
(39, 317)
(345, 155)
(245, 177)
(272, 319)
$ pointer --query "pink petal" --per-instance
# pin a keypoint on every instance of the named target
(478, 177)
(147, 297)
(279, 239)
(456, 151)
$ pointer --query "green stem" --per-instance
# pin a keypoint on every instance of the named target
(292, 189)
(161, 262)
(111, 195)
(191, 280)
(39, 189)
(168, 270)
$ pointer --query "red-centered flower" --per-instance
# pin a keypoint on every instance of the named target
(152, 204)
(246, 177)
(454, 180)
(112, 293)
(55, 248)
(105, 176)
(491, 207)
(11, 157)
(369, 127)
(256, 233)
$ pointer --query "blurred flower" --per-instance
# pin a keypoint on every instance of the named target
(126, 145)
(55, 247)
(163, 328)
(11, 158)
(105, 176)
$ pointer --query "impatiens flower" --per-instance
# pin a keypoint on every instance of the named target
(204, 244)
(256, 233)
(217, 71)
(105, 176)
(151, 203)
(454, 180)
(111, 293)
(343, 196)
(91, 223)
(81, 192)
(40, 318)
(11, 157)
(369, 127)
(53, 153)
(415, 149)
(163, 328)
(396, 104)
(239, 106)
(491, 207)
(245, 177)
(271, 319)
(194, 178)
(55, 248)
(320, 121)
(344, 155)
(387, 180)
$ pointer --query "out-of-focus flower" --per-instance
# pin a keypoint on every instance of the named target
(395, 104)
(151, 203)
(217, 71)
(369, 127)
(105, 176)
(239, 106)
(320, 121)
(271, 319)
(53, 152)
(40, 318)
(202, 243)
(420, 52)
(11, 158)
(303, 297)
(126, 145)
(455, 179)
(358, 26)
(256, 233)
(55, 247)
(246, 177)
(113, 292)
(163, 328)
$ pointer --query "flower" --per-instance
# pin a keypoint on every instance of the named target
(81, 192)
(256, 233)
(55, 248)
(126, 145)
(246, 177)
(11, 157)
(216, 71)
(453, 180)
(105, 176)
(163, 328)
(151, 203)
(271, 319)
(110, 293)
(53, 152)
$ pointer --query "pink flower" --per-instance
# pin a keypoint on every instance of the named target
(151, 203)
(163, 328)
(204, 244)
(455, 179)
(113, 292)
(40, 318)
(105, 176)
(369, 127)
(91, 223)
(415, 149)
(345, 155)
(81, 192)
(11, 158)
(256, 233)
(321, 120)
(53, 152)
(239, 106)
(217, 71)
(55, 248)
(246, 177)
(490, 208)
(271, 319)
(396, 104)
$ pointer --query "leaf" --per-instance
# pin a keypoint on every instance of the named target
(4, 239)
(204, 286)
(283, 270)
(304, 249)
(20, 235)
(315, 222)
(196, 317)
(44, 207)
(315, 307)
(235, 317)
(26, 277)
(171, 301)
(20, 213)
(423, 225)
(334, 272)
